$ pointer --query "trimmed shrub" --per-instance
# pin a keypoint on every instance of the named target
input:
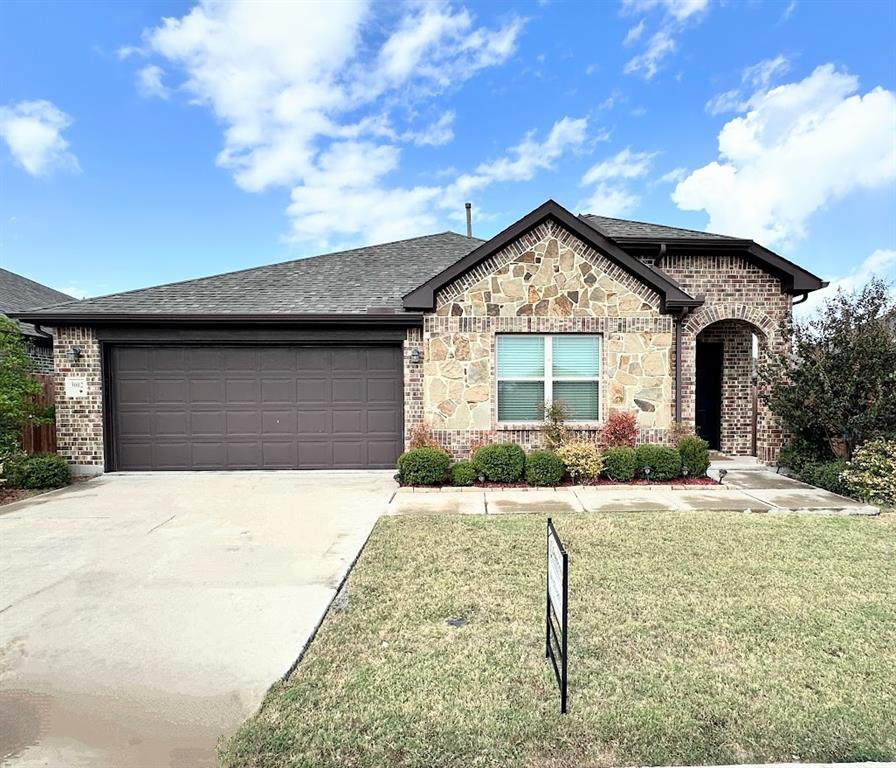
(664, 461)
(826, 474)
(42, 470)
(694, 453)
(463, 473)
(544, 468)
(871, 476)
(423, 466)
(620, 430)
(582, 459)
(555, 430)
(620, 464)
(500, 462)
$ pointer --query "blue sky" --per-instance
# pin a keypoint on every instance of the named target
(143, 143)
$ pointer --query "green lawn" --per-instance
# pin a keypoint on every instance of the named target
(694, 638)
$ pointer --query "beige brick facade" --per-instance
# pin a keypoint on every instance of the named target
(79, 420)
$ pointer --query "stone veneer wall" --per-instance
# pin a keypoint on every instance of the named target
(734, 289)
(548, 281)
(79, 421)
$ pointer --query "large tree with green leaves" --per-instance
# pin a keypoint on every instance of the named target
(18, 387)
(839, 382)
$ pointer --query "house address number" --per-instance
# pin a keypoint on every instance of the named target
(75, 386)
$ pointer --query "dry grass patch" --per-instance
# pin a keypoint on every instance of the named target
(694, 638)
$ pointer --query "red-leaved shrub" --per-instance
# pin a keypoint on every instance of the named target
(619, 431)
(420, 436)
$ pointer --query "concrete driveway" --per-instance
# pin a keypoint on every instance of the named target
(142, 616)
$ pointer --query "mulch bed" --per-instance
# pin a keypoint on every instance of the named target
(9, 495)
(567, 483)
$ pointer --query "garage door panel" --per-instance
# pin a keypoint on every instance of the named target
(349, 422)
(208, 455)
(206, 391)
(170, 454)
(207, 423)
(195, 407)
(135, 391)
(274, 391)
(348, 390)
(313, 391)
(242, 391)
(385, 422)
(381, 454)
(314, 422)
(279, 455)
(172, 424)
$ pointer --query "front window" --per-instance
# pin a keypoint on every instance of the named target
(533, 370)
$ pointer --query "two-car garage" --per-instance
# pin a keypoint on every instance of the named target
(219, 407)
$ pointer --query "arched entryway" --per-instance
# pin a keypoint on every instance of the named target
(723, 348)
(725, 410)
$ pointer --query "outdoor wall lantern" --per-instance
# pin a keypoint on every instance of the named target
(416, 357)
(74, 353)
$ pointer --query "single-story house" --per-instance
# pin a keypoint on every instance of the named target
(18, 293)
(329, 362)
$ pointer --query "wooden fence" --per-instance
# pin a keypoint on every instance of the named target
(41, 438)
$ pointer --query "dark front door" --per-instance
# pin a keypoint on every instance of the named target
(709, 392)
(255, 407)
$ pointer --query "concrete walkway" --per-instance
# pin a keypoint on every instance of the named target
(143, 616)
(747, 487)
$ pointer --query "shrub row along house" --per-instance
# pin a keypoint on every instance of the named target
(329, 362)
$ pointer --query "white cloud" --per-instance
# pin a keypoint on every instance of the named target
(757, 77)
(610, 200)
(798, 147)
(673, 176)
(762, 74)
(634, 34)
(149, 82)
(33, 132)
(303, 88)
(676, 15)
(660, 46)
(680, 10)
(623, 165)
(344, 196)
(615, 199)
(881, 263)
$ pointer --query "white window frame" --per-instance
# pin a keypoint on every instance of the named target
(548, 378)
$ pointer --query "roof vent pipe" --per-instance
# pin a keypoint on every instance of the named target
(469, 207)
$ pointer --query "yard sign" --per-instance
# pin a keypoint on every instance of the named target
(556, 614)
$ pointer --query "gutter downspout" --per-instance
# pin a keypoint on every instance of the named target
(801, 299)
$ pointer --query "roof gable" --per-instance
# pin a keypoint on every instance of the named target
(19, 293)
(672, 297)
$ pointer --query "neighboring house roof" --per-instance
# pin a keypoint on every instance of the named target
(18, 293)
(381, 282)
(362, 281)
(671, 294)
(620, 229)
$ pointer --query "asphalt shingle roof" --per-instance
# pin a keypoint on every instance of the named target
(356, 281)
(627, 228)
(18, 293)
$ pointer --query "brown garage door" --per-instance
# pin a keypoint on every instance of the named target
(254, 407)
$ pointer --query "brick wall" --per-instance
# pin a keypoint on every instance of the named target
(734, 289)
(41, 356)
(79, 421)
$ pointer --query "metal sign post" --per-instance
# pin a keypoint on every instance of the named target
(556, 609)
